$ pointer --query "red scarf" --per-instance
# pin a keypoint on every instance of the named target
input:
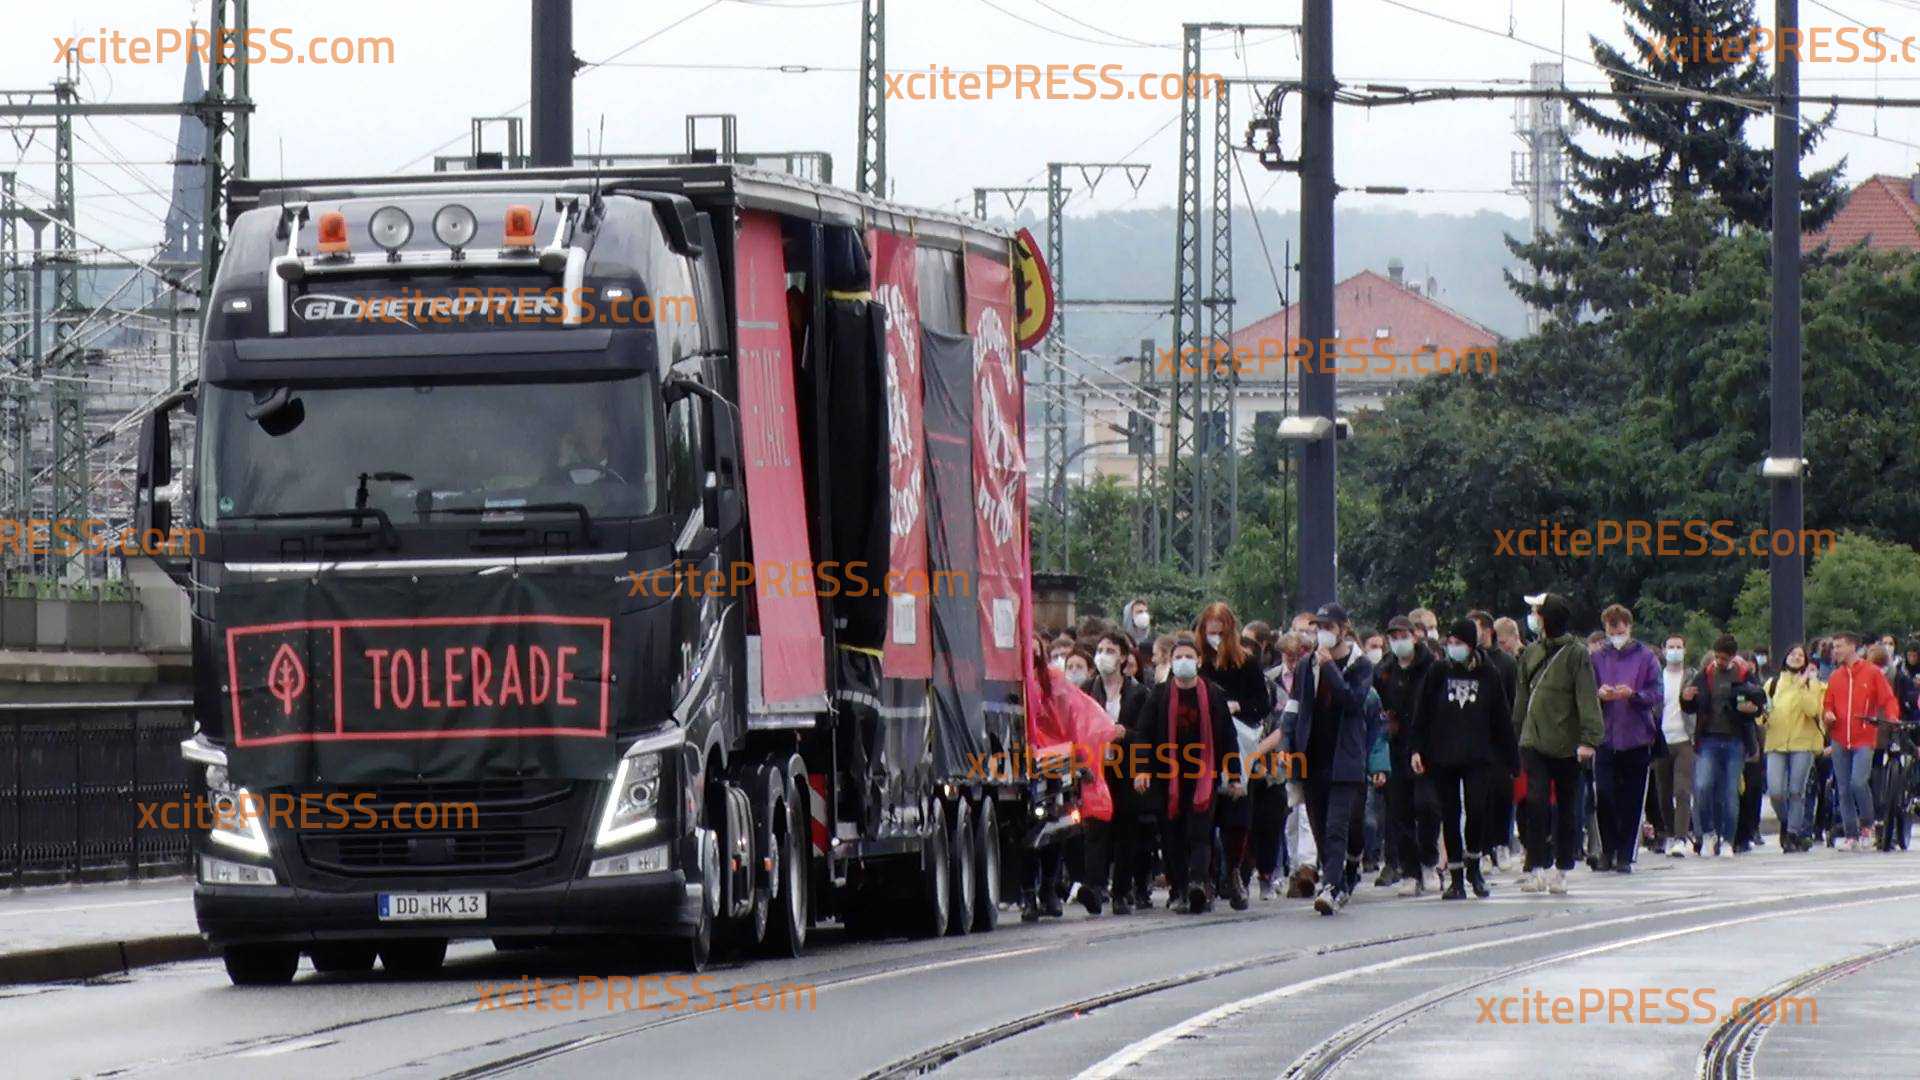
(1202, 796)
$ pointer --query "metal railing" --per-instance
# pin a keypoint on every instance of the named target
(72, 779)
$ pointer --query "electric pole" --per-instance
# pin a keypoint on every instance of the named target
(871, 176)
(1318, 556)
(1785, 469)
(553, 67)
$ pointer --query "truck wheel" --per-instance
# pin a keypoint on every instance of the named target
(788, 934)
(986, 866)
(261, 965)
(414, 957)
(960, 856)
(699, 948)
(936, 877)
(342, 957)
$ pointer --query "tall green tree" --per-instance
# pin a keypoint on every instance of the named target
(1667, 149)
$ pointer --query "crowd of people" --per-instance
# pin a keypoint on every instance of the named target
(1417, 754)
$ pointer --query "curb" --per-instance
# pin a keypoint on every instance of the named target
(96, 958)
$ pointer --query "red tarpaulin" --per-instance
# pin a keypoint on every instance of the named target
(999, 470)
(908, 653)
(792, 649)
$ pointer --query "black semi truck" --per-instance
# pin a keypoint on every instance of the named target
(664, 529)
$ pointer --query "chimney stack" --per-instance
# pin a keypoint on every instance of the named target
(1397, 270)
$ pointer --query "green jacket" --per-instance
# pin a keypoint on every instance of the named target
(1556, 704)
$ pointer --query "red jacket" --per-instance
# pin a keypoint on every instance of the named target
(1060, 713)
(1857, 690)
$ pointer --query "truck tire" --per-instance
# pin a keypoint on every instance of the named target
(960, 856)
(698, 948)
(936, 877)
(261, 965)
(342, 957)
(420, 956)
(787, 936)
(986, 866)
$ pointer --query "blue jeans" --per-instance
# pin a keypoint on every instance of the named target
(1716, 784)
(1787, 781)
(1851, 768)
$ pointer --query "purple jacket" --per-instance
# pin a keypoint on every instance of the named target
(1630, 722)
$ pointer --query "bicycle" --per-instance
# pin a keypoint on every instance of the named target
(1902, 792)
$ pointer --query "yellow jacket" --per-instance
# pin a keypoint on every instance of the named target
(1795, 718)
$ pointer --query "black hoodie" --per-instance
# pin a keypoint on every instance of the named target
(1462, 717)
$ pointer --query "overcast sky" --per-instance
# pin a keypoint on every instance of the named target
(454, 59)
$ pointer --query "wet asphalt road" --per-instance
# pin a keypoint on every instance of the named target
(1389, 987)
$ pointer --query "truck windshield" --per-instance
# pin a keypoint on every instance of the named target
(412, 450)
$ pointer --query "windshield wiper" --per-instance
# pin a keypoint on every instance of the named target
(387, 532)
(577, 509)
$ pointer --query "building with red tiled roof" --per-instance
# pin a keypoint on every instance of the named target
(1883, 212)
(1390, 333)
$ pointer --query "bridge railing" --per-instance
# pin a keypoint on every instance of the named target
(72, 779)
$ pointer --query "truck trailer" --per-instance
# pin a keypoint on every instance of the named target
(663, 530)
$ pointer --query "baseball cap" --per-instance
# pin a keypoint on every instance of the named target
(1330, 612)
(1536, 599)
(1399, 622)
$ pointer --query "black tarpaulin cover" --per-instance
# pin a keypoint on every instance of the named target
(857, 462)
(345, 679)
(960, 736)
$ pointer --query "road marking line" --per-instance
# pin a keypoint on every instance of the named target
(288, 1048)
(1136, 1052)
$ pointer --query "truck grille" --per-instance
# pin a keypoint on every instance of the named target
(521, 825)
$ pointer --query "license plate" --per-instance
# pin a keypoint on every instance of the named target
(418, 907)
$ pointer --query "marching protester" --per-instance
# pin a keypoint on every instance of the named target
(1187, 734)
(1796, 732)
(1065, 730)
(1631, 697)
(1328, 722)
(1226, 663)
(1499, 831)
(1725, 699)
(1673, 773)
(1123, 700)
(1137, 623)
(1462, 734)
(1271, 808)
(1855, 690)
(1557, 709)
(1413, 819)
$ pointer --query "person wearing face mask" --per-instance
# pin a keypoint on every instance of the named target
(1462, 732)
(1162, 659)
(1856, 690)
(1631, 698)
(1413, 810)
(1268, 838)
(1136, 621)
(1557, 709)
(1187, 735)
(1673, 774)
(1796, 732)
(1374, 646)
(1499, 830)
(1725, 699)
(1123, 700)
(1078, 668)
(1225, 662)
(1329, 721)
(1064, 729)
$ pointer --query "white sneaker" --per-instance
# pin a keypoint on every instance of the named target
(1721, 849)
(1845, 843)
(1413, 884)
(1557, 884)
(1532, 881)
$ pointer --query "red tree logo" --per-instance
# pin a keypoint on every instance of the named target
(286, 678)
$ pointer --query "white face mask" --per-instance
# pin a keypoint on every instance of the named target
(1676, 657)
(1619, 641)
(1533, 624)
(1059, 663)
(1374, 656)
(1213, 641)
(1107, 663)
(1402, 647)
(1141, 620)
(1185, 667)
(1326, 639)
(1458, 653)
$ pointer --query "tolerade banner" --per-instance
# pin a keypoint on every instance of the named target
(908, 653)
(999, 470)
(358, 680)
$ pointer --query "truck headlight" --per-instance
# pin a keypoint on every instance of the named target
(236, 815)
(632, 799)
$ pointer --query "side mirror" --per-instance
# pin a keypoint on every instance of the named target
(722, 507)
(156, 488)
